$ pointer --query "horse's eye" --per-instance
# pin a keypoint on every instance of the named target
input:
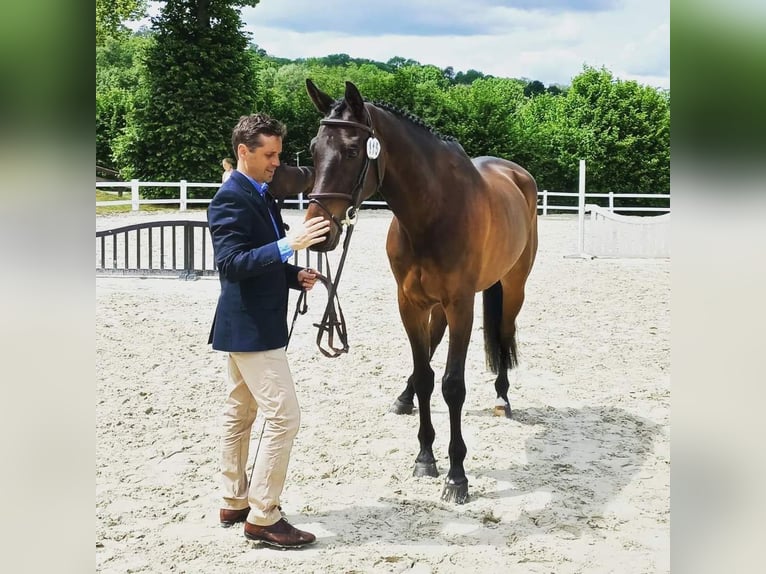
(352, 152)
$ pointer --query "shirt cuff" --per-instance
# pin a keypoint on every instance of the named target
(285, 251)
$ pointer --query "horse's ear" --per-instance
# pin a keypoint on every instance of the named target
(322, 102)
(354, 100)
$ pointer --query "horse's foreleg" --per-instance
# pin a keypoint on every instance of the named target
(404, 403)
(415, 321)
(460, 320)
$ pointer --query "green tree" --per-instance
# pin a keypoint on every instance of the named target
(198, 81)
(287, 101)
(554, 89)
(629, 147)
(111, 13)
(118, 71)
(398, 62)
(483, 115)
(549, 144)
(534, 88)
(336, 60)
(468, 77)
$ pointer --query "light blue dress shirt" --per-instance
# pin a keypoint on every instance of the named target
(285, 251)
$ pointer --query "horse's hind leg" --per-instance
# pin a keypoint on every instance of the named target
(404, 403)
(513, 299)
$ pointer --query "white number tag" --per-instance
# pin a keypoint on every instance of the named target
(373, 148)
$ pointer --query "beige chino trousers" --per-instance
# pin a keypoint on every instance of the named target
(258, 382)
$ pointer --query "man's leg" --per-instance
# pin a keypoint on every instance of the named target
(239, 413)
(268, 378)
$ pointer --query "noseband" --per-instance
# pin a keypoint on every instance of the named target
(354, 198)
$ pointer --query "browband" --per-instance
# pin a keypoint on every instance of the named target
(349, 123)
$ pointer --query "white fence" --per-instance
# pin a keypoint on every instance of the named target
(545, 204)
(135, 201)
(610, 234)
(618, 231)
(183, 199)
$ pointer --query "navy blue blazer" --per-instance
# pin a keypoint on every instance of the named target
(251, 314)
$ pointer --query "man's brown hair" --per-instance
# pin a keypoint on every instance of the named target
(249, 129)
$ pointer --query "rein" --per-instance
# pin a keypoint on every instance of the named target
(333, 322)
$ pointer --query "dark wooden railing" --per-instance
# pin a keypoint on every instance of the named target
(181, 248)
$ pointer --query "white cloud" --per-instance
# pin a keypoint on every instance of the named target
(631, 40)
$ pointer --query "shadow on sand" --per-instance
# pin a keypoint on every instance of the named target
(577, 462)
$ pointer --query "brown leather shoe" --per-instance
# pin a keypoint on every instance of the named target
(280, 534)
(231, 517)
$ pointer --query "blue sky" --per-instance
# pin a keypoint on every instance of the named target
(546, 40)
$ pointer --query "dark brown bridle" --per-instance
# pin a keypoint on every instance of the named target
(354, 198)
(333, 321)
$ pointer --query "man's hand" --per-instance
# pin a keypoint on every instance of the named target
(307, 278)
(308, 233)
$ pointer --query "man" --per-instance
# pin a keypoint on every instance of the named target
(251, 253)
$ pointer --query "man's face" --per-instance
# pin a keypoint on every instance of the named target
(260, 162)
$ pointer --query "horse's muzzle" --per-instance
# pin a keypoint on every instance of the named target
(330, 242)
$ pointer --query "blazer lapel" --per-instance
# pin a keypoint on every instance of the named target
(258, 203)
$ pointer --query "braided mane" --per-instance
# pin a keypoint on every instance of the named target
(412, 118)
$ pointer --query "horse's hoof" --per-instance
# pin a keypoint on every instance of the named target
(502, 408)
(402, 408)
(425, 469)
(457, 493)
(504, 411)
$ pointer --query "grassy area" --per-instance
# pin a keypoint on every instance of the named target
(106, 210)
(103, 196)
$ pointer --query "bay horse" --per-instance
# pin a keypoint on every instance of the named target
(460, 226)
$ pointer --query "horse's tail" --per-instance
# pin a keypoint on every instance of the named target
(500, 354)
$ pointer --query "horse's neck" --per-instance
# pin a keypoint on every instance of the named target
(291, 180)
(410, 200)
(399, 176)
(415, 185)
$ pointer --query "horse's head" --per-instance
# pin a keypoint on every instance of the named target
(345, 152)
